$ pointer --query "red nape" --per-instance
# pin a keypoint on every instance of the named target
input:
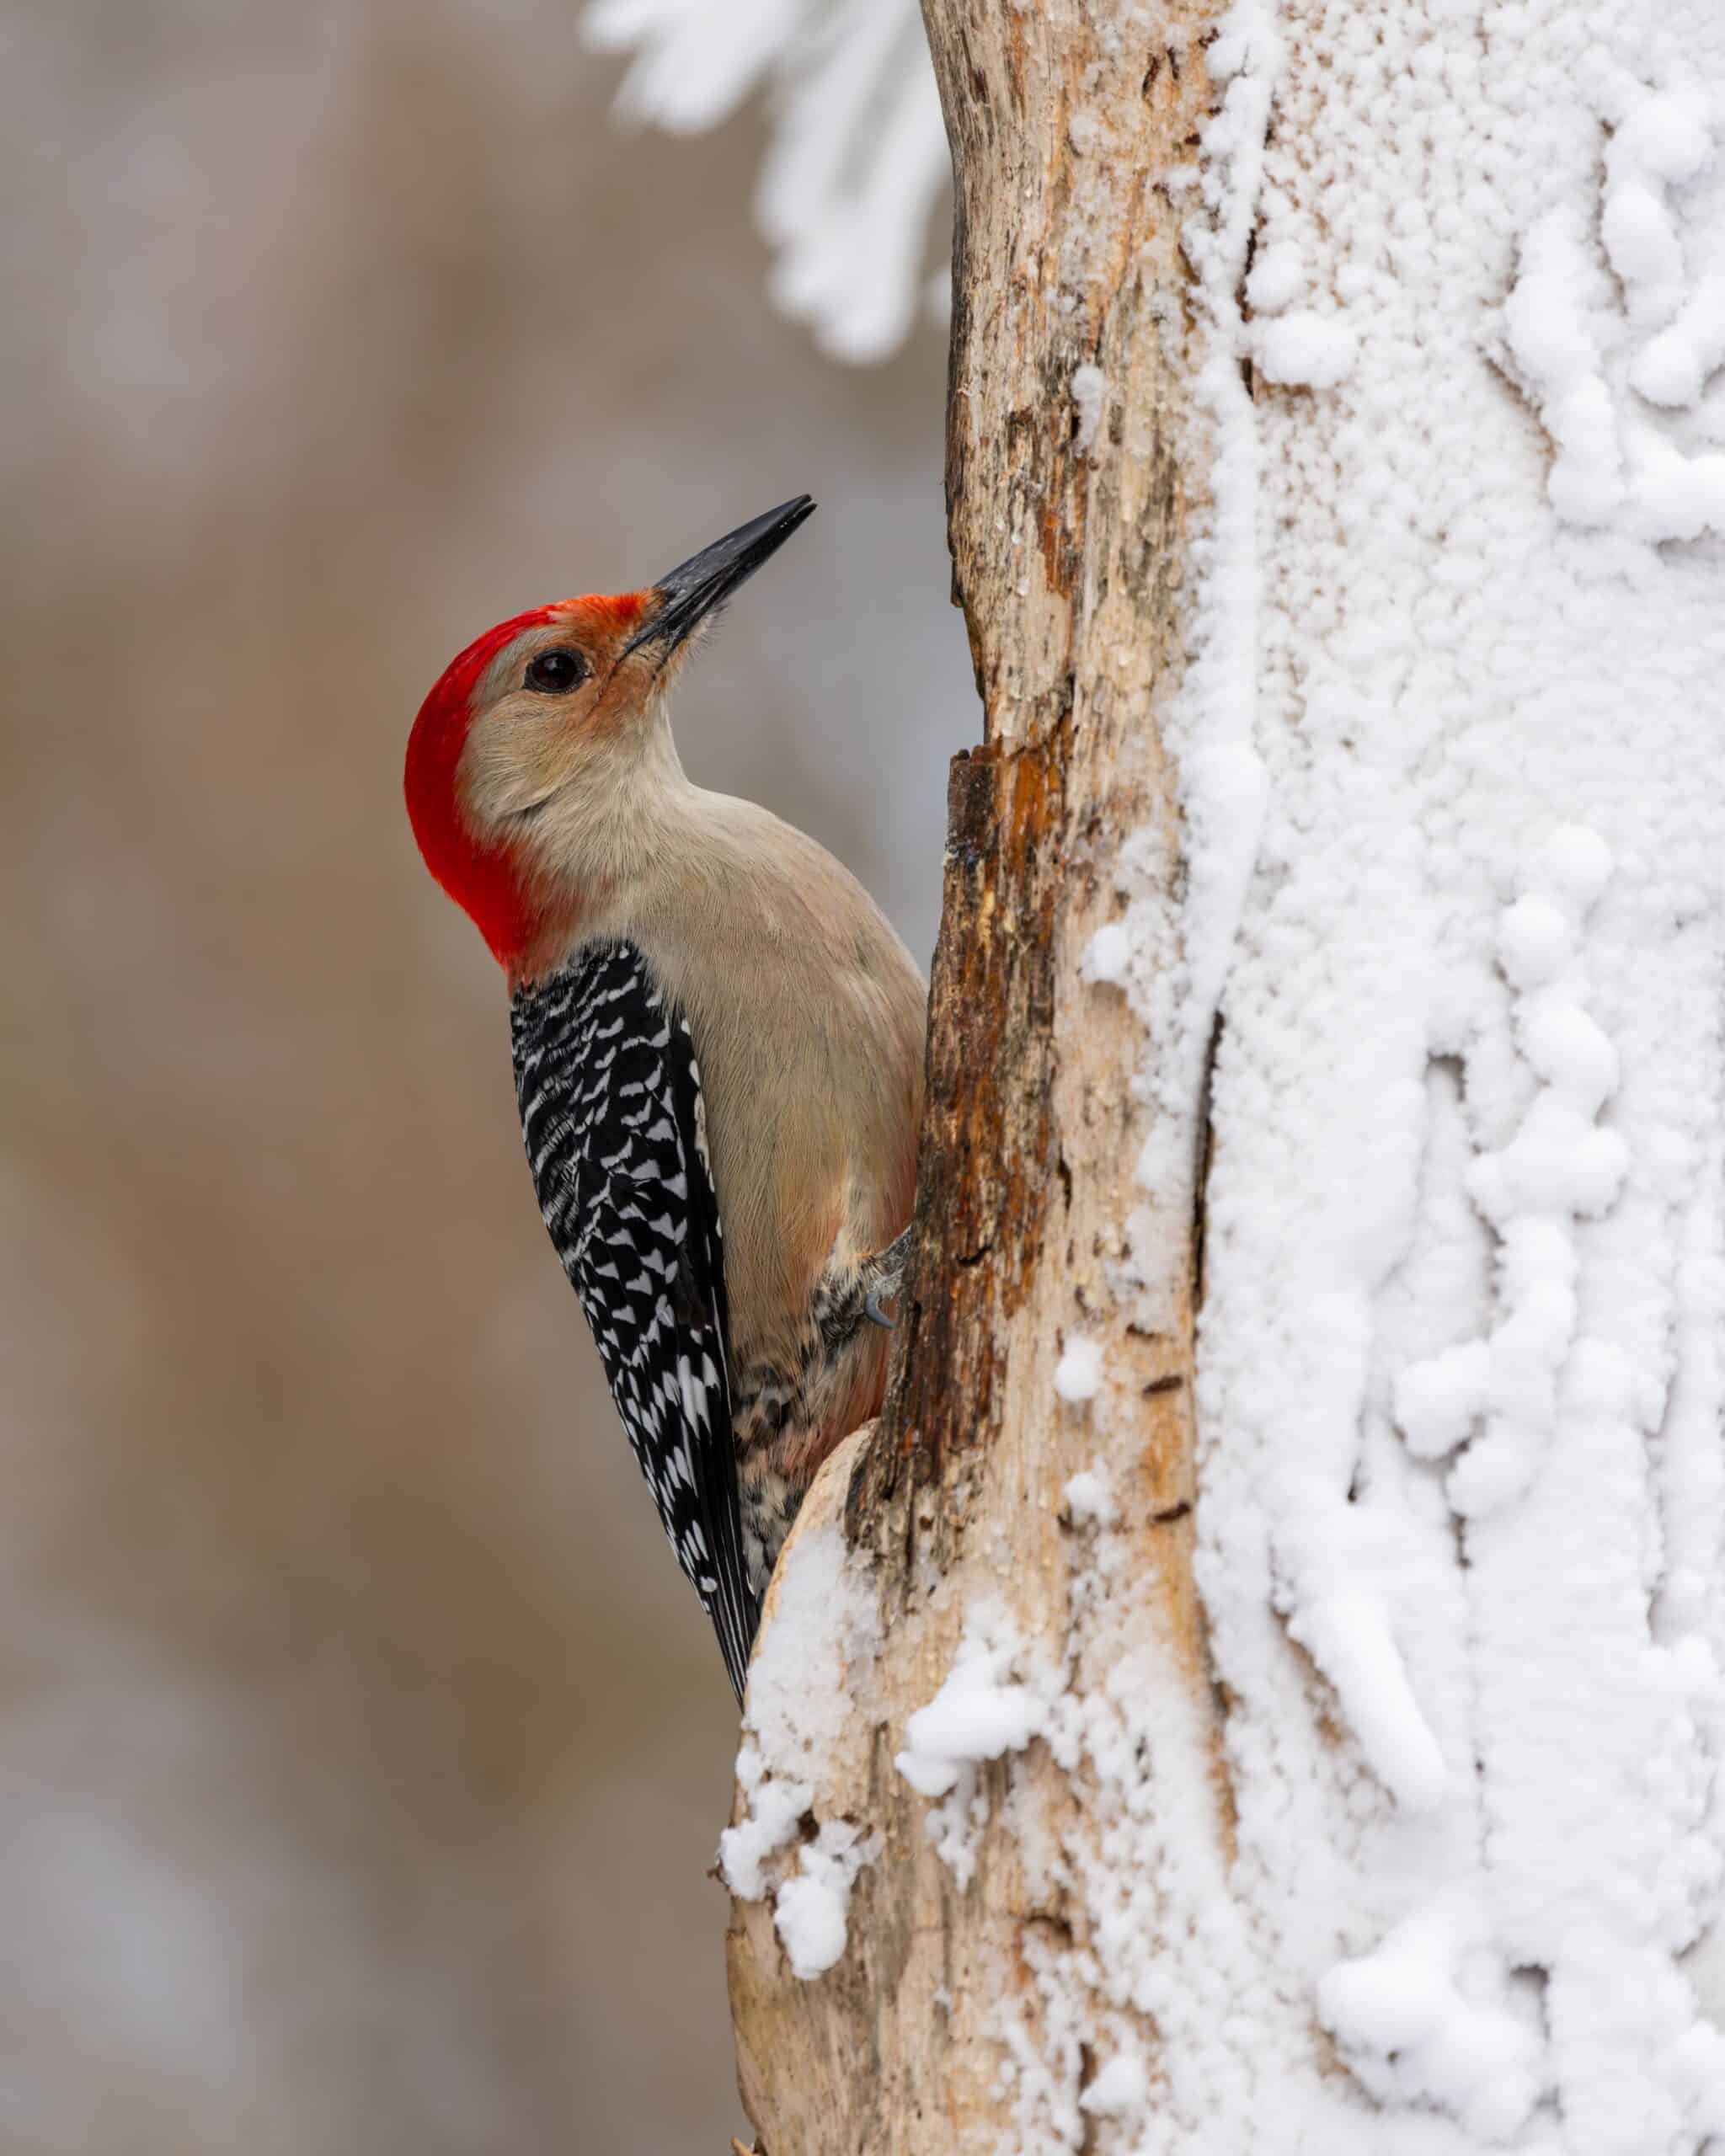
(480, 878)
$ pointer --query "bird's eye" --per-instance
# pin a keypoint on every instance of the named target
(554, 672)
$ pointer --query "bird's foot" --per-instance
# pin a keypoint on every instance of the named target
(883, 1277)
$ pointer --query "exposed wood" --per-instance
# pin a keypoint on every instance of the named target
(1067, 528)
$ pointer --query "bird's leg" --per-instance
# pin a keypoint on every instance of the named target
(882, 1276)
(852, 1293)
(788, 1410)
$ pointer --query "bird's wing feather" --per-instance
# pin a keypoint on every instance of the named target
(610, 1096)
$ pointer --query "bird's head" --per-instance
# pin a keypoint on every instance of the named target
(541, 722)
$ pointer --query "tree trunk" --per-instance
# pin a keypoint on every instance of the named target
(1333, 928)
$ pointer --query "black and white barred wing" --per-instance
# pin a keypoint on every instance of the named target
(610, 1097)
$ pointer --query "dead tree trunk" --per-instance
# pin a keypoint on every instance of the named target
(1334, 932)
(1069, 476)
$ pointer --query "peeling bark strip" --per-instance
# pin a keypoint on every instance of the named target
(986, 1192)
(1068, 497)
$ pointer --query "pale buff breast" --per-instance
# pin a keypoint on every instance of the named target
(808, 1016)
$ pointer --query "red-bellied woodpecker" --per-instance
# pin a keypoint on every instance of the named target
(718, 1049)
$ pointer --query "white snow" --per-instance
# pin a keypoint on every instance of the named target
(1276, 279)
(809, 1679)
(1459, 1395)
(1089, 1501)
(1616, 320)
(1427, 2019)
(1108, 956)
(1120, 2088)
(1534, 942)
(775, 1805)
(1671, 369)
(1306, 349)
(1090, 387)
(978, 1714)
(1078, 1374)
(809, 1908)
(984, 1709)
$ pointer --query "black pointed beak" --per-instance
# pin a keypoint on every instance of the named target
(706, 580)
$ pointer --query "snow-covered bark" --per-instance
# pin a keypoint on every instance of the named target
(1460, 1399)
(1298, 1729)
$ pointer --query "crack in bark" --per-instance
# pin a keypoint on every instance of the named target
(1206, 1149)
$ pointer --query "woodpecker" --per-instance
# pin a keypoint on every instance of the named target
(718, 1042)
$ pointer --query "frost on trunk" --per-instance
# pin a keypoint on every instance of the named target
(1296, 1728)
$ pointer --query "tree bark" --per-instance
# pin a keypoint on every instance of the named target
(1334, 939)
(1067, 527)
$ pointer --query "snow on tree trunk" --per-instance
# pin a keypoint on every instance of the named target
(1304, 1738)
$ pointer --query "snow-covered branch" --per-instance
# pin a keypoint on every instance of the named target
(857, 165)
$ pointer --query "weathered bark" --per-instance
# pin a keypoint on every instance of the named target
(1067, 534)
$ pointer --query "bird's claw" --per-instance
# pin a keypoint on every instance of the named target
(886, 1269)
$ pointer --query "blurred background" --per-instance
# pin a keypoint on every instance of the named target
(362, 1752)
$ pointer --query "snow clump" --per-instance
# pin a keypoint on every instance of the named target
(808, 1676)
(1089, 388)
(982, 1711)
(1078, 1374)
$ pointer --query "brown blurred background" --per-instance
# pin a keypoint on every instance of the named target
(361, 1754)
